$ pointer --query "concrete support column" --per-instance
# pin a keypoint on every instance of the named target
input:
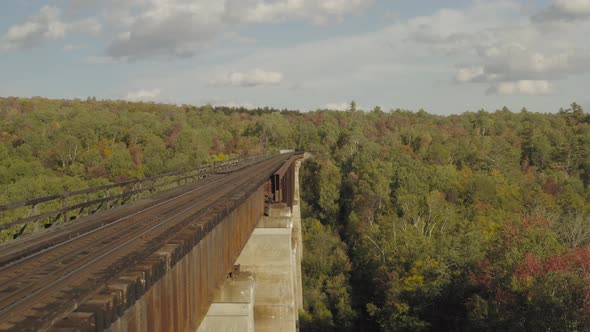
(297, 239)
(268, 255)
(232, 309)
(272, 261)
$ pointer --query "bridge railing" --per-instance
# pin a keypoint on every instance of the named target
(36, 214)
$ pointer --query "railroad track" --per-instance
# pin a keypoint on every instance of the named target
(49, 282)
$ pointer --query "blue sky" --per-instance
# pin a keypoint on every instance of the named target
(442, 56)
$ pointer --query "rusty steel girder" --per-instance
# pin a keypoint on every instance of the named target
(283, 181)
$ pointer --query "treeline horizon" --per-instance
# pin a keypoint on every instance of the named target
(270, 109)
(412, 221)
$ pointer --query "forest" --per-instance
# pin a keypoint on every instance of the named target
(412, 221)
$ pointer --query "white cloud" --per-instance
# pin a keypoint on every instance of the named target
(515, 60)
(141, 29)
(523, 87)
(489, 46)
(250, 78)
(37, 29)
(498, 43)
(574, 6)
(89, 26)
(143, 95)
(181, 28)
(449, 31)
(469, 74)
(501, 46)
(565, 10)
(46, 25)
(337, 106)
(234, 104)
(167, 28)
(493, 45)
(385, 72)
(263, 11)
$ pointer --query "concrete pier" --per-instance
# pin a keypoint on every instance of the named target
(268, 255)
(232, 309)
(272, 258)
(297, 239)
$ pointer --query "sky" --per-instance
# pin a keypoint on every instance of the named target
(445, 57)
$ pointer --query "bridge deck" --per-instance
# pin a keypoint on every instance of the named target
(46, 277)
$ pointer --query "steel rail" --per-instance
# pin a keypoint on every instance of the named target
(113, 223)
(80, 268)
(80, 238)
(180, 176)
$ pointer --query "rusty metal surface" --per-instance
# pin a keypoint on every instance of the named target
(89, 281)
(283, 181)
(289, 164)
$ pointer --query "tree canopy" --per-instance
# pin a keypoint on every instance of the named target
(412, 221)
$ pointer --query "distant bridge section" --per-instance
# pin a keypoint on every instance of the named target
(155, 264)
